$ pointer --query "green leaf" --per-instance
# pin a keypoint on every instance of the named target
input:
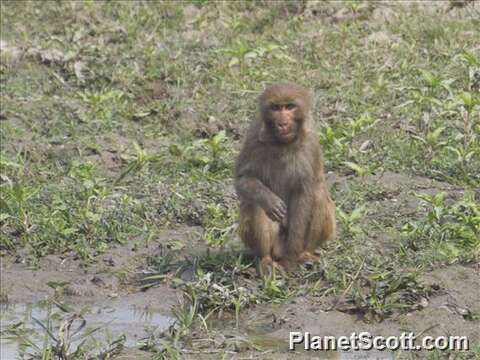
(357, 168)
(4, 216)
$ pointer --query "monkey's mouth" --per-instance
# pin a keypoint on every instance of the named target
(285, 134)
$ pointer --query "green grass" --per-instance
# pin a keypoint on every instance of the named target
(122, 119)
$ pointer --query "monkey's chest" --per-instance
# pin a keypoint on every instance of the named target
(287, 173)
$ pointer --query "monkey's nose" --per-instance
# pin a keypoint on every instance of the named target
(283, 129)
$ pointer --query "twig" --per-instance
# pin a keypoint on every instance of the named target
(427, 329)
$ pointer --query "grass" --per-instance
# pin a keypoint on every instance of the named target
(119, 120)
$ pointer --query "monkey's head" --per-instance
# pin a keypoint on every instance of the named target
(284, 110)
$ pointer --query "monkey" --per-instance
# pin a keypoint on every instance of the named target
(286, 211)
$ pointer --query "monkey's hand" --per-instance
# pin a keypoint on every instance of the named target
(276, 209)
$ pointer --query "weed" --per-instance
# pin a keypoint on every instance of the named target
(448, 232)
(350, 221)
(220, 226)
(275, 287)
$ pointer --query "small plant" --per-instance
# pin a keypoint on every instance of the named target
(338, 142)
(243, 54)
(362, 171)
(209, 155)
(185, 315)
(468, 103)
(216, 144)
(140, 159)
(349, 221)
(274, 287)
(216, 295)
(389, 291)
(101, 105)
(220, 225)
(432, 140)
(335, 143)
(168, 352)
(14, 204)
(453, 230)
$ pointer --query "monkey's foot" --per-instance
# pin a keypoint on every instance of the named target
(307, 256)
(288, 264)
(266, 265)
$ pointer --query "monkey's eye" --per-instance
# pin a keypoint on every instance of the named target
(275, 107)
(290, 106)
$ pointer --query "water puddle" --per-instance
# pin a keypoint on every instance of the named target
(114, 320)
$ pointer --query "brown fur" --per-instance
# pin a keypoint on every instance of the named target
(285, 208)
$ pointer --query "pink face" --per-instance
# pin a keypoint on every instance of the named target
(284, 121)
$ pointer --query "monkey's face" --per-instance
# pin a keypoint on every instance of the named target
(284, 121)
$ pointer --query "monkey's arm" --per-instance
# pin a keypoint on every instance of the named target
(252, 190)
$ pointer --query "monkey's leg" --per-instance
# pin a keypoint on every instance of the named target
(322, 224)
(260, 234)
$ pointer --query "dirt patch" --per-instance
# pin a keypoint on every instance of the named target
(110, 161)
(461, 286)
(73, 282)
(394, 182)
(113, 274)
